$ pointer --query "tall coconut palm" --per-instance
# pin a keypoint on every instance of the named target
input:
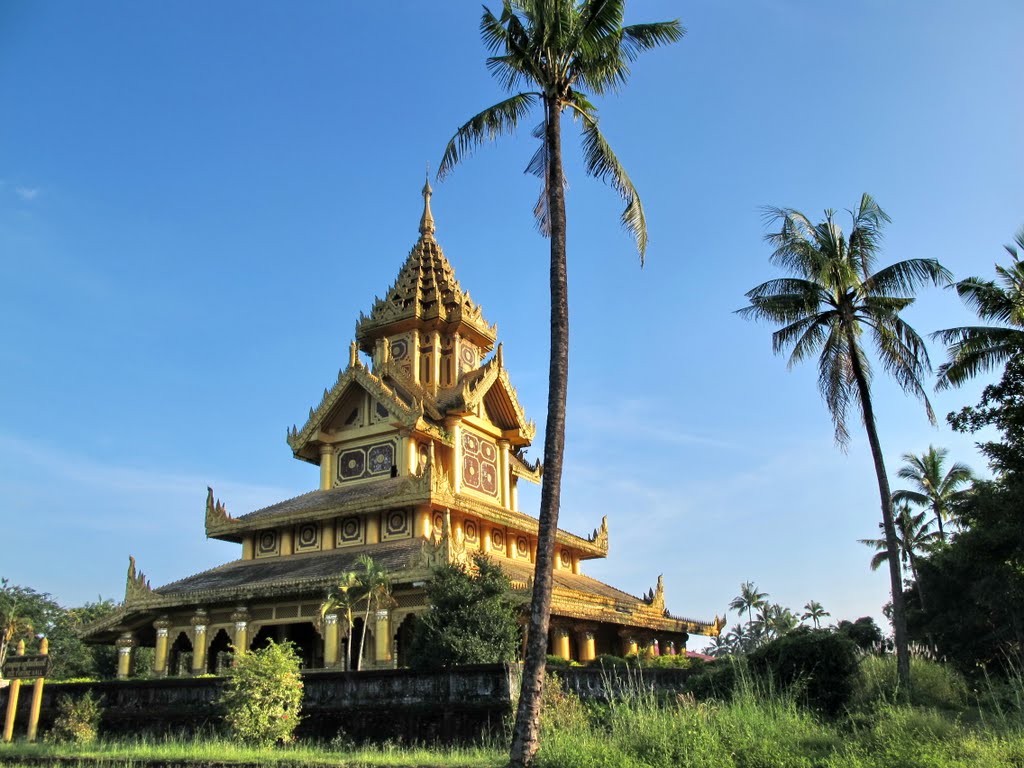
(833, 299)
(747, 600)
(550, 54)
(815, 612)
(976, 349)
(913, 537)
(934, 489)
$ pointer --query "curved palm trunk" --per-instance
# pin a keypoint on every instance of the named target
(899, 615)
(525, 736)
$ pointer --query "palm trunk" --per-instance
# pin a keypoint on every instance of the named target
(362, 639)
(899, 614)
(525, 736)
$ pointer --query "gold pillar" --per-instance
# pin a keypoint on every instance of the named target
(456, 429)
(629, 647)
(331, 640)
(533, 549)
(503, 473)
(248, 546)
(162, 627)
(585, 641)
(199, 624)
(510, 544)
(424, 523)
(576, 563)
(435, 360)
(125, 655)
(515, 494)
(382, 639)
(373, 528)
(329, 536)
(240, 642)
(37, 695)
(12, 698)
(410, 464)
(326, 467)
(287, 541)
(485, 538)
(561, 636)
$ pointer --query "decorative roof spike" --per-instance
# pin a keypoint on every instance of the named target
(136, 585)
(500, 356)
(427, 219)
(353, 354)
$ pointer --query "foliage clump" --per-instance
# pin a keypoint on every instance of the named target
(77, 720)
(472, 618)
(821, 665)
(263, 695)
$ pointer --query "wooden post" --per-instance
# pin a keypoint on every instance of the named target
(37, 695)
(12, 698)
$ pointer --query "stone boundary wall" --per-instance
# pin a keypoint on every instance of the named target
(460, 705)
(453, 706)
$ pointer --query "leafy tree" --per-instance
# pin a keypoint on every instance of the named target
(19, 615)
(934, 489)
(864, 632)
(374, 586)
(472, 619)
(976, 349)
(263, 695)
(833, 298)
(548, 53)
(975, 585)
(814, 611)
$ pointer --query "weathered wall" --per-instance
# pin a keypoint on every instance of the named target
(459, 705)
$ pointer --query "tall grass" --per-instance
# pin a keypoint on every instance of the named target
(757, 727)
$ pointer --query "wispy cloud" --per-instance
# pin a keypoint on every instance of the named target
(28, 194)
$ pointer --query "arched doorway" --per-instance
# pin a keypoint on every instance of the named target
(218, 657)
(308, 643)
(355, 643)
(403, 640)
(179, 657)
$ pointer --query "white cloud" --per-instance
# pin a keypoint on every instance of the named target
(27, 194)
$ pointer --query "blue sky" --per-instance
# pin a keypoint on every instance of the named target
(197, 200)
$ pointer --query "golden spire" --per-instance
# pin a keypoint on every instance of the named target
(427, 219)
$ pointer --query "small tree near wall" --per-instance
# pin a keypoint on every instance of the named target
(263, 695)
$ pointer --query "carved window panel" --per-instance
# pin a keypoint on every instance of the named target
(350, 532)
(479, 464)
(471, 532)
(498, 539)
(379, 413)
(268, 544)
(397, 525)
(438, 523)
(468, 356)
(565, 559)
(366, 461)
(307, 537)
(522, 550)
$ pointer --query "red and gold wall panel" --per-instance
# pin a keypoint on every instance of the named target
(479, 464)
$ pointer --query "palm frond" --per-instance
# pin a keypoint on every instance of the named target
(975, 350)
(907, 277)
(496, 120)
(602, 164)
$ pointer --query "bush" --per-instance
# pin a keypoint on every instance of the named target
(77, 721)
(609, 661)
(263, 695)
(819, 664)
(933, 684)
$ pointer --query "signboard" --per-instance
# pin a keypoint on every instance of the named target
(26, 667)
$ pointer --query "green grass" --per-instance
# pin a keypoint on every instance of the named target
(209, 749)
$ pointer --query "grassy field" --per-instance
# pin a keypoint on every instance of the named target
(946, 724)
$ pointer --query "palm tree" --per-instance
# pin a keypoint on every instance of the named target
(833, 298)
(548, 53)
(780, 620)
(747, 600)
(374, 586)
(342, 598)
(913, 536)
(976, 349)
(935, 490)
(815, 612)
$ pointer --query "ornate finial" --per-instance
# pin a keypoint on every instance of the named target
(427, 220)
(136, 585)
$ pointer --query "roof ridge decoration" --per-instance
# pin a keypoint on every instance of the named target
(444, 549)
(655, 598)
(359, 374)
(426, 289)
(216, 513)
(600, 537)
(136, 586)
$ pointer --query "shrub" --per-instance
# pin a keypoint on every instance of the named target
(820, 664)
(718, 680)
(933, 684)
(608, 661)
(77, 721)
(263, 695)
